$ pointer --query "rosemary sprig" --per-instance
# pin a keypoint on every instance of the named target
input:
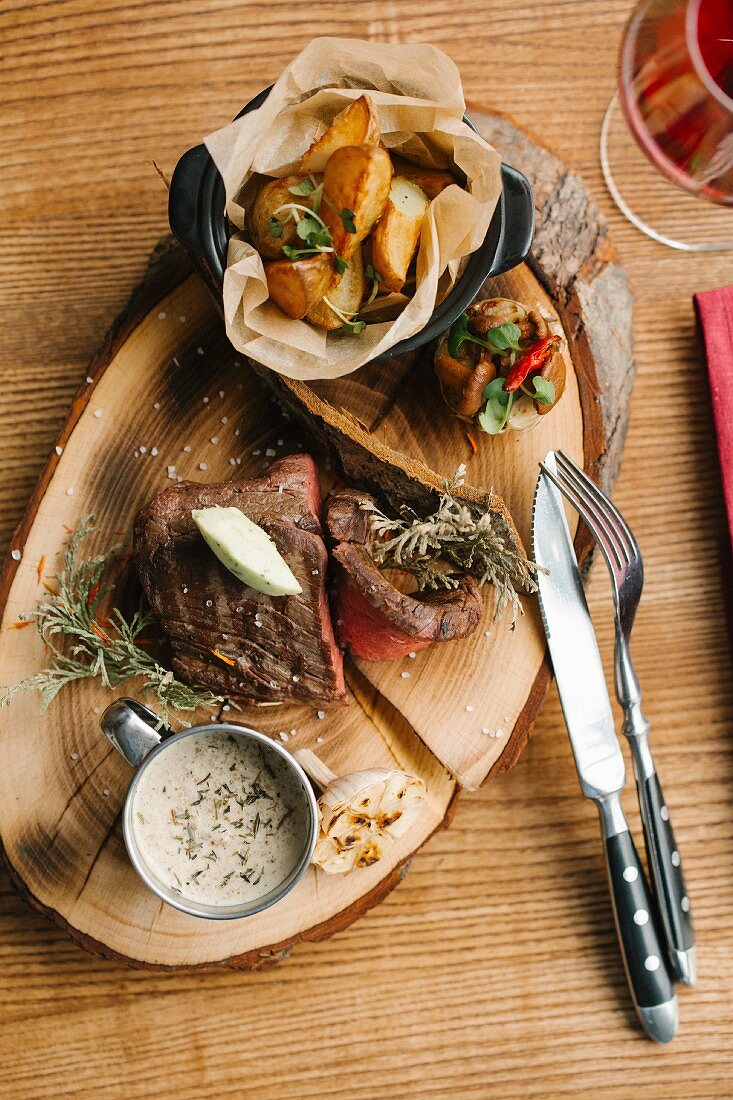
(454, 535)
(104, 646)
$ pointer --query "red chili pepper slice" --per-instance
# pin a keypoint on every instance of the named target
(533, 360)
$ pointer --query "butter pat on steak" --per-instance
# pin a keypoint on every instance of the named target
(225, 635)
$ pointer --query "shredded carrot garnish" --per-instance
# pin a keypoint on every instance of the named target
(68, 530)
(50, 588)
(40, 567)
(100, 633)
(473, 444)
(20, 624)
(223, 657)
(92, 593)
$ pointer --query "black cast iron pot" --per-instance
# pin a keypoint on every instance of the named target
(196, 214)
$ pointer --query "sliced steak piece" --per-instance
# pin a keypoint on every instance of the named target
(225, 635)
(375, 620)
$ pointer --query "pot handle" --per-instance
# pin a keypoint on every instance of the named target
(133, 729)
(195, 187)
(518, 222)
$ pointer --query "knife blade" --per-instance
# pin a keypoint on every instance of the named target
(599, 762)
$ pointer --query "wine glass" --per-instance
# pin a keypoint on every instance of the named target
(675, 91)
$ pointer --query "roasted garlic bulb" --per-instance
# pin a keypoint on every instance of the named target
(358, 811)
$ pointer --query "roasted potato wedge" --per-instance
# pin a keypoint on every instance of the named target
(432, 180)
(397, 232)
(269, 199)
(356, 182)
(345, 292)
(358, 124)
(296, 285)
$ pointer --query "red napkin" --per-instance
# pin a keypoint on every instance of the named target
(715, 310)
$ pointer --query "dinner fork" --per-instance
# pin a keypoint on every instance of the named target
(623, 558)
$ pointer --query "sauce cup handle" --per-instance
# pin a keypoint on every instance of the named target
(133, 729)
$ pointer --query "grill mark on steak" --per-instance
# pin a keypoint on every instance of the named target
(375, 620)
(181, 575)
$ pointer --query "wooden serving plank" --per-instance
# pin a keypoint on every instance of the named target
(166, 379)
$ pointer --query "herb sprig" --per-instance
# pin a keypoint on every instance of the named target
(310, 226)
(499, 339)
(105, 646)
(455, 535)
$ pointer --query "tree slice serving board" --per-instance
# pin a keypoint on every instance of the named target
(166, 380)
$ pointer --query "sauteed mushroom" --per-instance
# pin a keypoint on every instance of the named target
(501, 362)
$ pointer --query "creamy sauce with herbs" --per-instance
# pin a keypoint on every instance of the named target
(219, 819)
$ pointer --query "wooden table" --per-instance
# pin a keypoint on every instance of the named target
(493, 970)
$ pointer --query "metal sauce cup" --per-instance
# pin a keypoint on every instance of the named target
(140, 736)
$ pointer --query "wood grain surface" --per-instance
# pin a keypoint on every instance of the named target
(493, 970)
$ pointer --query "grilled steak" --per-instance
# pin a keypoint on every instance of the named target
(225, 635)
(375, 620)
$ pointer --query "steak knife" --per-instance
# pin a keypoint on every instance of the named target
(587, 709)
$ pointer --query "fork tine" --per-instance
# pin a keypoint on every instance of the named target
(600, 523)
(608, 547)
(604, 502)
(603, 519)
(597, 503)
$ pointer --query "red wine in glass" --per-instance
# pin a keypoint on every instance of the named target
(676, 91)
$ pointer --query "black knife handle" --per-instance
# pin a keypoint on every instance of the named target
(642, 945)
(666, 870)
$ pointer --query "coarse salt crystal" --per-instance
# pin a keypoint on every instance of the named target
(258, 623)
(99, 413)
(221, 393)
(226, 707)
(209, 603)
(70, 492)
(405, 675)
(16, 555)
(202, 465)
(485, 729)
(161, 315)
(176, 361)
(136, 454)
(185, 590)
(258, 452)
(469, 708)
(232, 462)
(143, 450)
(270, 452)
(293, 732)
(153, 451)
(321, 714)
(487, 634)
(279, 442)
(412, 656)
(236, 431)
(187, 449)
(156, 404)
(314, 572)
(499, 733)
(224, 419)
(89, 379)
(74, 755)
(205, 400)
(172, 473)
(105, 792)
(319, 740)
(182, 318)
(296, 678)
(59, 450)
(200, 351)
(215, 439)
(282, 735)
(238, 610)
